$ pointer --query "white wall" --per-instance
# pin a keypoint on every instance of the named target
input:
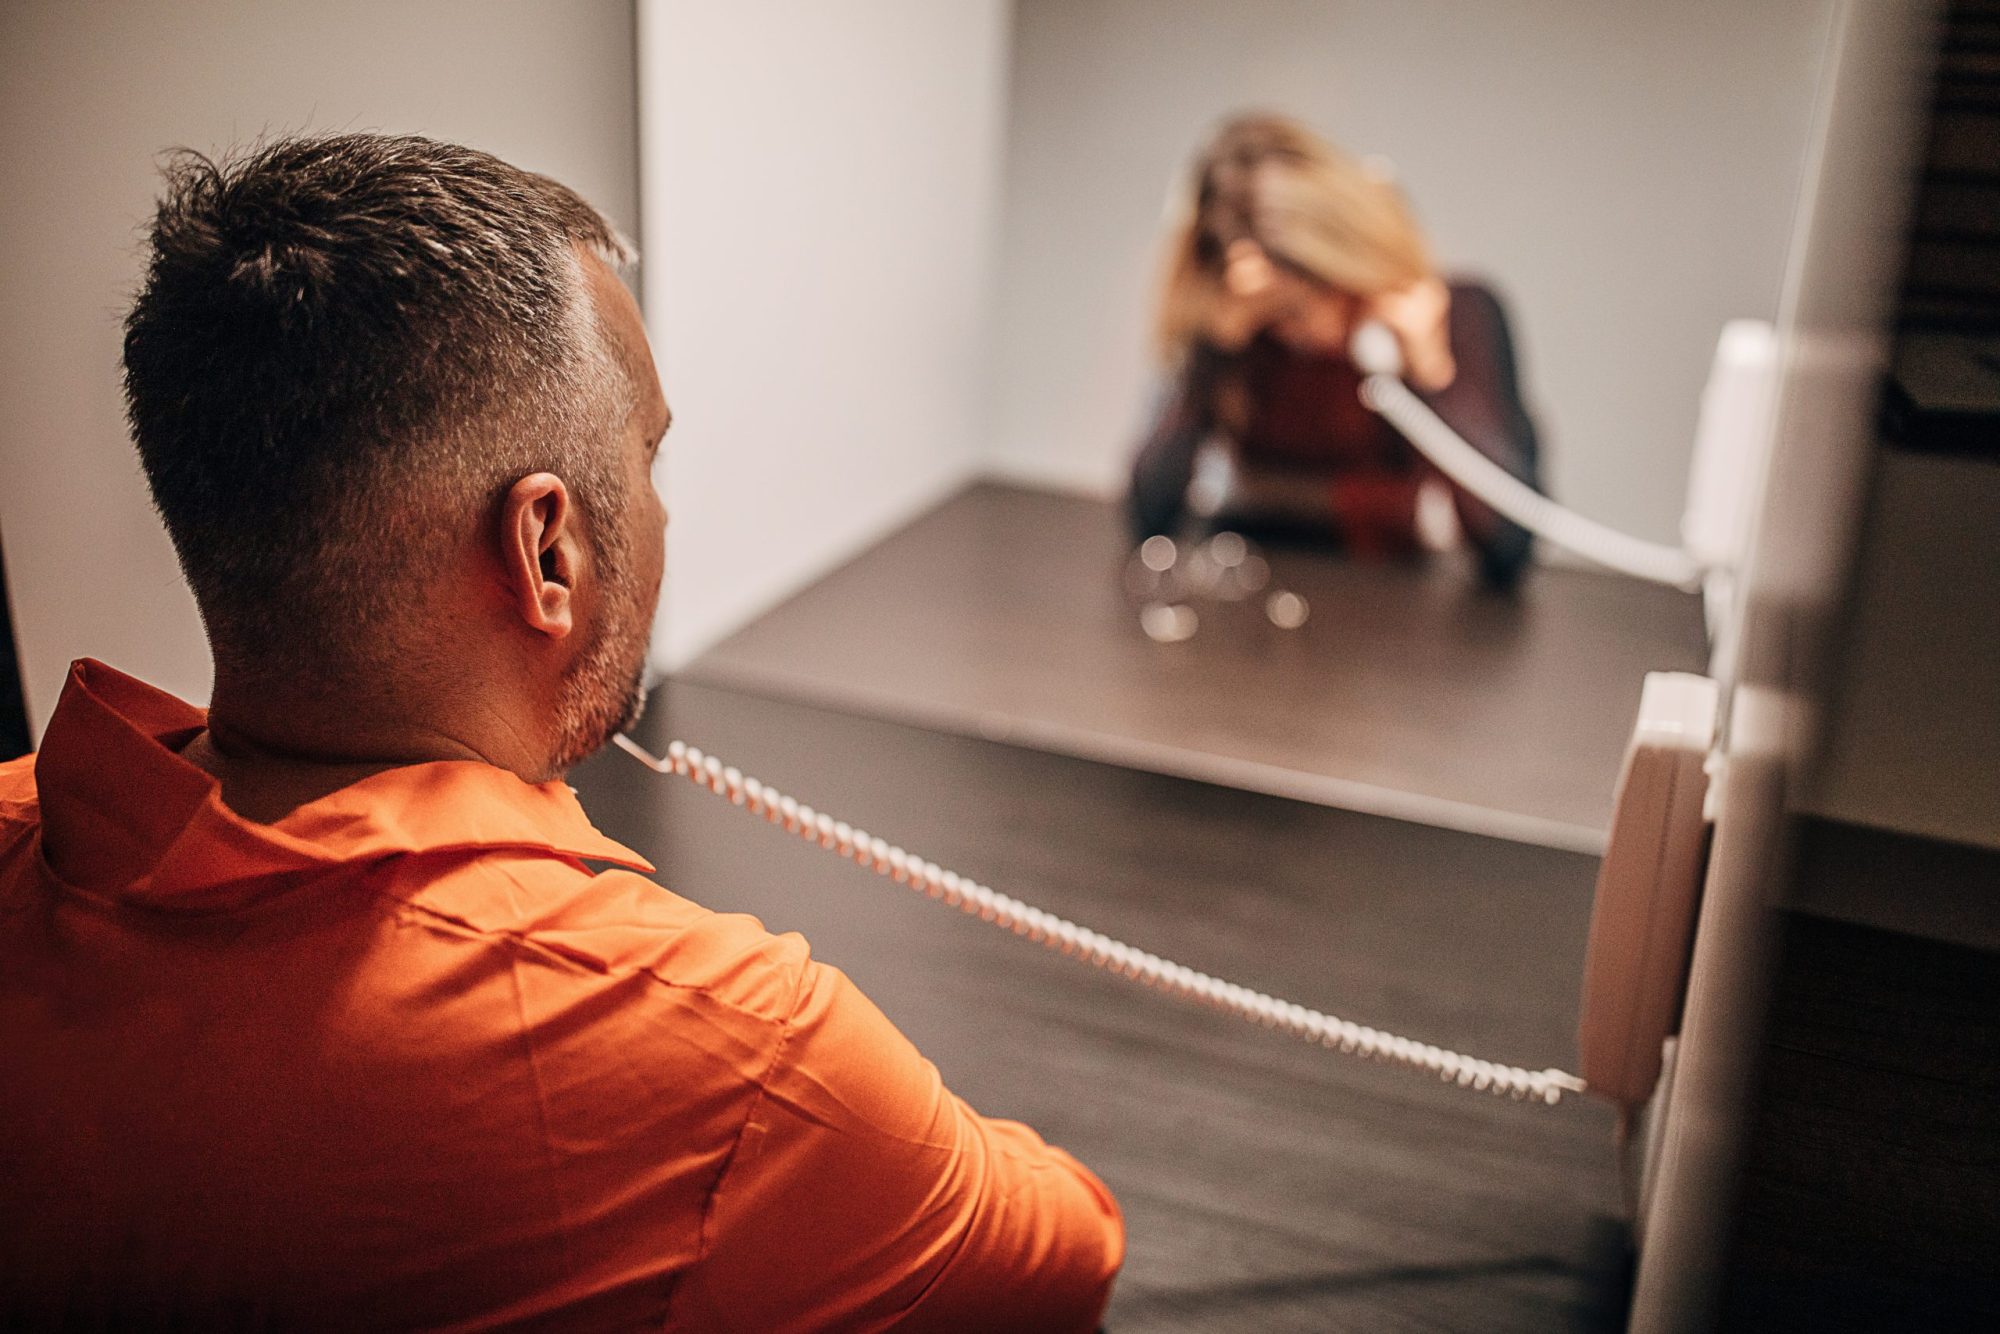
(820, 184)
(90, 92)
(1625, 171)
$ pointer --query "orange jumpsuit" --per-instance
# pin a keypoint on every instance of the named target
(403, 1060)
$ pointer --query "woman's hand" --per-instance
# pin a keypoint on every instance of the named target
(1242, 303)
(1417, 315)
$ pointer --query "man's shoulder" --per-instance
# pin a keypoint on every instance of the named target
(613, 923)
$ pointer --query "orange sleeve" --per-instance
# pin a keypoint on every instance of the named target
(862, 1193)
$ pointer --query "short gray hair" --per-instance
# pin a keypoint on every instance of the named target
(343, 344)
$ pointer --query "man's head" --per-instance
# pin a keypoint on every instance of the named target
(398, 414)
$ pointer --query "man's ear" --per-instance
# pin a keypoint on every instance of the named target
(540, 555)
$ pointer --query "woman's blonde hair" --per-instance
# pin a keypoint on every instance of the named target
(1309, 206)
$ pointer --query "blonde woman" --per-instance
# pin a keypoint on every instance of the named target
(1287, 245)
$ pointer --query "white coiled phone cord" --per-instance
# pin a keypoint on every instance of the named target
(1092, 947)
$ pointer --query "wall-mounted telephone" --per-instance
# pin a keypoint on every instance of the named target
(1640, 927)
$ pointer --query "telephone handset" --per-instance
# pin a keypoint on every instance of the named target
(1648, 887)
(1639, 926)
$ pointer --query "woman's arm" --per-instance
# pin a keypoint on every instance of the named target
(1483, 404)
(1165, 462)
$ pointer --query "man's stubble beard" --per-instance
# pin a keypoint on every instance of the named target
(605, 692)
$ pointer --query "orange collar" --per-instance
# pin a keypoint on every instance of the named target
(124, 814)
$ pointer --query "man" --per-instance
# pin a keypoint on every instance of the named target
(312, 1011)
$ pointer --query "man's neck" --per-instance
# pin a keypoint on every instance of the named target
(274, 753)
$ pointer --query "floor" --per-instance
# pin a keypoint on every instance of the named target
(1267, 1185)
(1407, 693)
